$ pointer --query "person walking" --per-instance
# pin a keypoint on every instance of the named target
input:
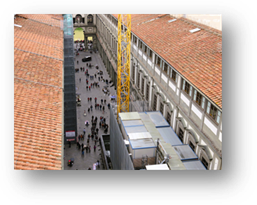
(94, 148)
(95, 100)
(103, 108)
(87, 88)
(97, 130)
(101, 101)
(100, 123)
(91, 108)
(100, 107)
(90, 99)
(77, 62)
(84, 131)
(88, 110)
(104, 101)
(80, 80)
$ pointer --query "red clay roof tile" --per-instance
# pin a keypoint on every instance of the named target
(197, 56)
(37, 94)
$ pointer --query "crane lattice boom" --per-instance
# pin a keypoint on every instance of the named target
(123, 64)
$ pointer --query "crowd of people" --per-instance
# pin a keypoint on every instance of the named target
(88, 141)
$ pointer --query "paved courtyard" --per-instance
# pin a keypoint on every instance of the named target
(87, 161)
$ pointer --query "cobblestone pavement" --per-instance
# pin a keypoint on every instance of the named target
(87, 161)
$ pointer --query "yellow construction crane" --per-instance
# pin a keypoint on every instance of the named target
(123, 64)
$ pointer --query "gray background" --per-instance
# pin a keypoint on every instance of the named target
(4, 5)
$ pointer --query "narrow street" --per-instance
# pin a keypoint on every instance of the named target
(87, 161)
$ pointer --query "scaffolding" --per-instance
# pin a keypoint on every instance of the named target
(123, 63)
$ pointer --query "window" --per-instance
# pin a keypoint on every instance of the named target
(142, 85)
(135, 39)
(147, 92)
(168, 117)
(133, 73)
(181, 134)
(205, 163)
(165, 69)
(173, 75)
(157, 61)
(78, 18)
(154, 102)
(138, 79)
(161, 108)
(211, 110)
(199, 99)
(192, 146)
(90, 19)
(187, 88)
(145, 49)
(150, 54)
(140, 44)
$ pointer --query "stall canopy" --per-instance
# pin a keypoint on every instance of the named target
(78, 34)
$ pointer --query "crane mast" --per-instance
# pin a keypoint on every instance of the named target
(123, 63)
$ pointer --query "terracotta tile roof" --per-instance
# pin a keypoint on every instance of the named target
(51, 19)
(37, 95)
(197, 56)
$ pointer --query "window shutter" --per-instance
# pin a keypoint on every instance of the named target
(195, 95)
(218, 117)
(190, 92)
(208, 107)
(203, 102)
